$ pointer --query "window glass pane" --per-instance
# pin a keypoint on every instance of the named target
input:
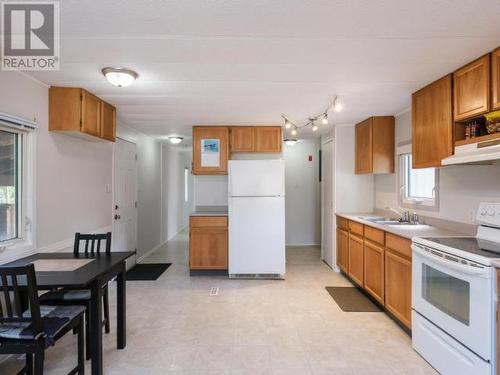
(447, 293)
(9, 201)
(418, 183)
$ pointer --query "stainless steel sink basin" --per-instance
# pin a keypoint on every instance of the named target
(371, 218)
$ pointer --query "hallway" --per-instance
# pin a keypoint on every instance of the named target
(254, 327)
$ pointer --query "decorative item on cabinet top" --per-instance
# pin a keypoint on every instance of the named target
(77, 112)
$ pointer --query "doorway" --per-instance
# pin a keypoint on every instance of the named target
(328, 202)
(124, 196)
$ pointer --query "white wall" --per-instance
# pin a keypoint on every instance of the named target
(461, 187)
(353, 192)
(175, 161)
(149, 194)
(210, 190)
(72, 175)
(302, 191)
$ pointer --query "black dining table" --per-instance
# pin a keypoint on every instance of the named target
(91, 276)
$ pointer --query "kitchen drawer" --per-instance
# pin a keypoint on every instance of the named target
(208, 221)
(398, 244)
(342, 223)
(356, 228)
(375, 235)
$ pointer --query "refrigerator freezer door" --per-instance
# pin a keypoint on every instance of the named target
(257, 235)
(253, 178)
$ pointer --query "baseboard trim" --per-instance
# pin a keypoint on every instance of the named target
(176, 233)
(302, 244)
(150, 251)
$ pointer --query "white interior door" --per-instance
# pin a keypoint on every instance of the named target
(125, 197)
(328, 206)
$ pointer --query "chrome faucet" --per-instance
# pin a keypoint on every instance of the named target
(405, 216)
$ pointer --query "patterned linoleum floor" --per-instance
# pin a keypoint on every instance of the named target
(252, 327)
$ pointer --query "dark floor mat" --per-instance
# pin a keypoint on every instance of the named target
(147, 271)
(350, 299)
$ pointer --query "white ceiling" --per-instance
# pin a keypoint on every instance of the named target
(246, 62)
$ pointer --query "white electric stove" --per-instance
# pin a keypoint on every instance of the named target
(454, 296)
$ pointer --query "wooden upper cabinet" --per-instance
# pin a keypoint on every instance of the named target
(78, 112)
(495, 79)
(91, 114)
(364, 134)
(108, 120)
(268, 139)
(212, 160)
(432, 123)
(471, 89)
(374, 145)
(242, 139)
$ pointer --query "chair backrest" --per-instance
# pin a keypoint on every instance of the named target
(94, 240)
(12, 279)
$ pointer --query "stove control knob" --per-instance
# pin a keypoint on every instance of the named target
(491, 212)
(483, 212)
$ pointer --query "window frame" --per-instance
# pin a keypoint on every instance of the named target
(426, 204)
(24, 242)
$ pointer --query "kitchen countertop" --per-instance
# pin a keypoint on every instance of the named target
(407, 231)
(209, 211)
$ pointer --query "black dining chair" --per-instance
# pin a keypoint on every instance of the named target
(32, 331)
(82, 296)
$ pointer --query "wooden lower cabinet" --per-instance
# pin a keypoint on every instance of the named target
(378, 262)
(208, 243)
(343, 250)
(356, 259)
(374, 270)
(398, 286)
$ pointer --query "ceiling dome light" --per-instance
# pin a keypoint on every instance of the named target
(175, 140)
(119, 77)
(324, 121)
(290, 141)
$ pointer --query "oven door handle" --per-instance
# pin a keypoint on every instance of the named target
(449, 264)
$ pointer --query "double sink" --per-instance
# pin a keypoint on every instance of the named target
(392, 222)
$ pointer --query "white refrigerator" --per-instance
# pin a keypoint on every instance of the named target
(256, 208)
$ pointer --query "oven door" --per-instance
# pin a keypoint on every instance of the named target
(456, 297)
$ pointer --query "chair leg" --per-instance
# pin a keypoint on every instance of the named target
(105, 303)
(29, 364)
(39, 358)
(87, 333)
(80, 345)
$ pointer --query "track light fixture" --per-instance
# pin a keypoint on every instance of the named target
(336, 105)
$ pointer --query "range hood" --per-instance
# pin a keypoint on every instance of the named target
(474, 153)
